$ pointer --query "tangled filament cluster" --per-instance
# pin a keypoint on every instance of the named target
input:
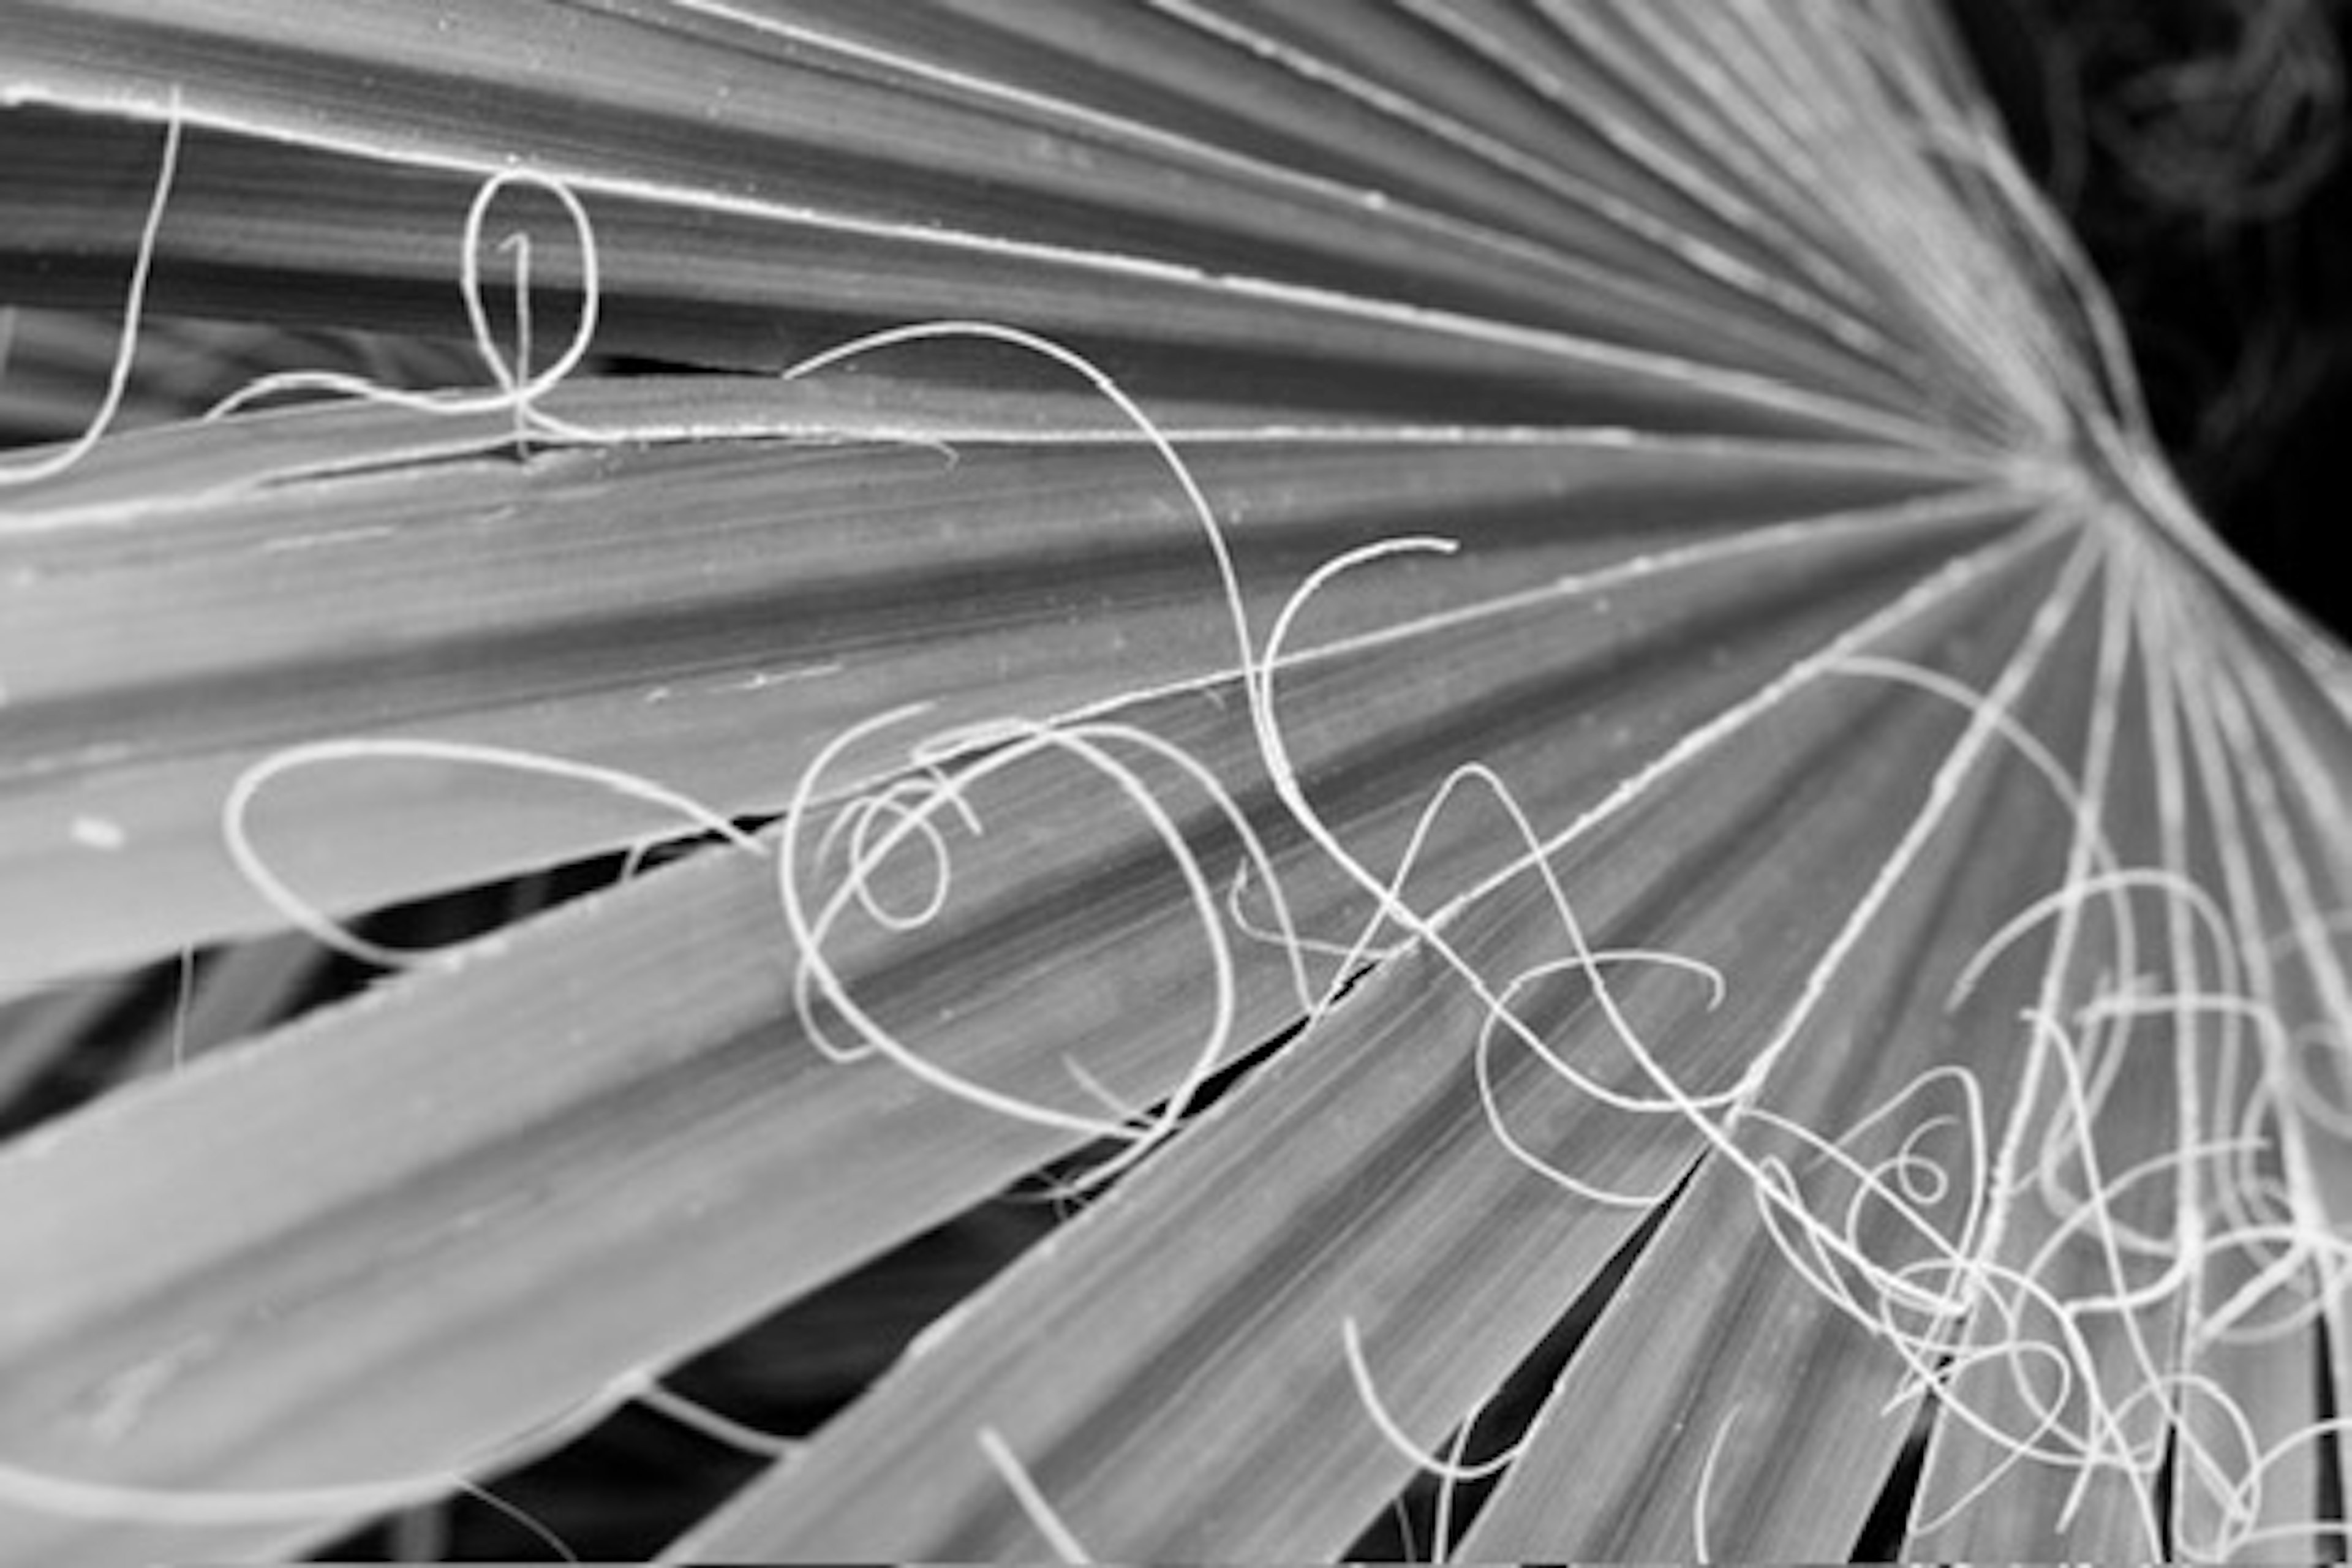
(1904, 1222)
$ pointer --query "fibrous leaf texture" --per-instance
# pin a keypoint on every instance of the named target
(1513, 677)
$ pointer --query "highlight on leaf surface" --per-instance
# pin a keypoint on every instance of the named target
(1444, 778)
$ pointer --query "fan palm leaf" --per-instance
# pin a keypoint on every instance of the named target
(1515, 681)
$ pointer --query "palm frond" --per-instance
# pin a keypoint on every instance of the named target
(1513, 681)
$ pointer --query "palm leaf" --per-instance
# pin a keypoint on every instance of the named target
(1579, 751)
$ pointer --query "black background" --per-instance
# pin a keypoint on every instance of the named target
(2240, 307)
